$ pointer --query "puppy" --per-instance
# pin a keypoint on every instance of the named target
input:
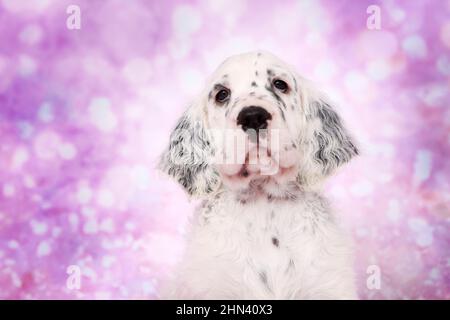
(255, 147)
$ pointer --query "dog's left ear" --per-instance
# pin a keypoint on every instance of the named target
(327, 145)
(189, 156)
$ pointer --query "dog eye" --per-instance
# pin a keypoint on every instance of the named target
(222, 95)
(280, 85)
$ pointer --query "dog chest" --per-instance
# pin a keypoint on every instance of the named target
(264, 246)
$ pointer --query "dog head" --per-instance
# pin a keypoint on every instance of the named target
(256, 126)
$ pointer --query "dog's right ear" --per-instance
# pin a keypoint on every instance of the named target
(189, 157)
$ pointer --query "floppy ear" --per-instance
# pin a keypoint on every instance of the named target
(326, 142)
(189, 156)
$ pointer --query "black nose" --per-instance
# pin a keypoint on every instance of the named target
(253, 118)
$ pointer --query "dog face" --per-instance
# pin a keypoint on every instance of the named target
(257, 126)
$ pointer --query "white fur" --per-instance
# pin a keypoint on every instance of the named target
(262, 237)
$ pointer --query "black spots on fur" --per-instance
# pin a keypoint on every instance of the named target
(218, 86)
(270, 72)
(282, 113)
(275, 95)
(187, 180)
(186, 159)
(256, 73)
(242, 199)
(295, 84)
(265, 281)
(310, 117)
(254, 84)
(275, 242)
(270, 198)
(252, 93)
(292, 197)
(263, 277)
(207, 207)
(183, 123)
(334, 146)
(295, 104)
(258, 55)
(291, 146)
(283, 104)
(244, 173)
(320, 155)
(272, 92)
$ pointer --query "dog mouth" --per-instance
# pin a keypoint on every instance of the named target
(261, 166)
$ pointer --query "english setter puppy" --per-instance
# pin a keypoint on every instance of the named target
(255, 146)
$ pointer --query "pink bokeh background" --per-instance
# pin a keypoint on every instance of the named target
(85, 113)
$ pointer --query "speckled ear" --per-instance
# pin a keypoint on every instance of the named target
(333, 146)
(188, 157)
(326, 142)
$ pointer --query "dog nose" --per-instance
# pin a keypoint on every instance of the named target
(253, 117)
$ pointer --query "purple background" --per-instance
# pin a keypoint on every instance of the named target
(85, 113)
